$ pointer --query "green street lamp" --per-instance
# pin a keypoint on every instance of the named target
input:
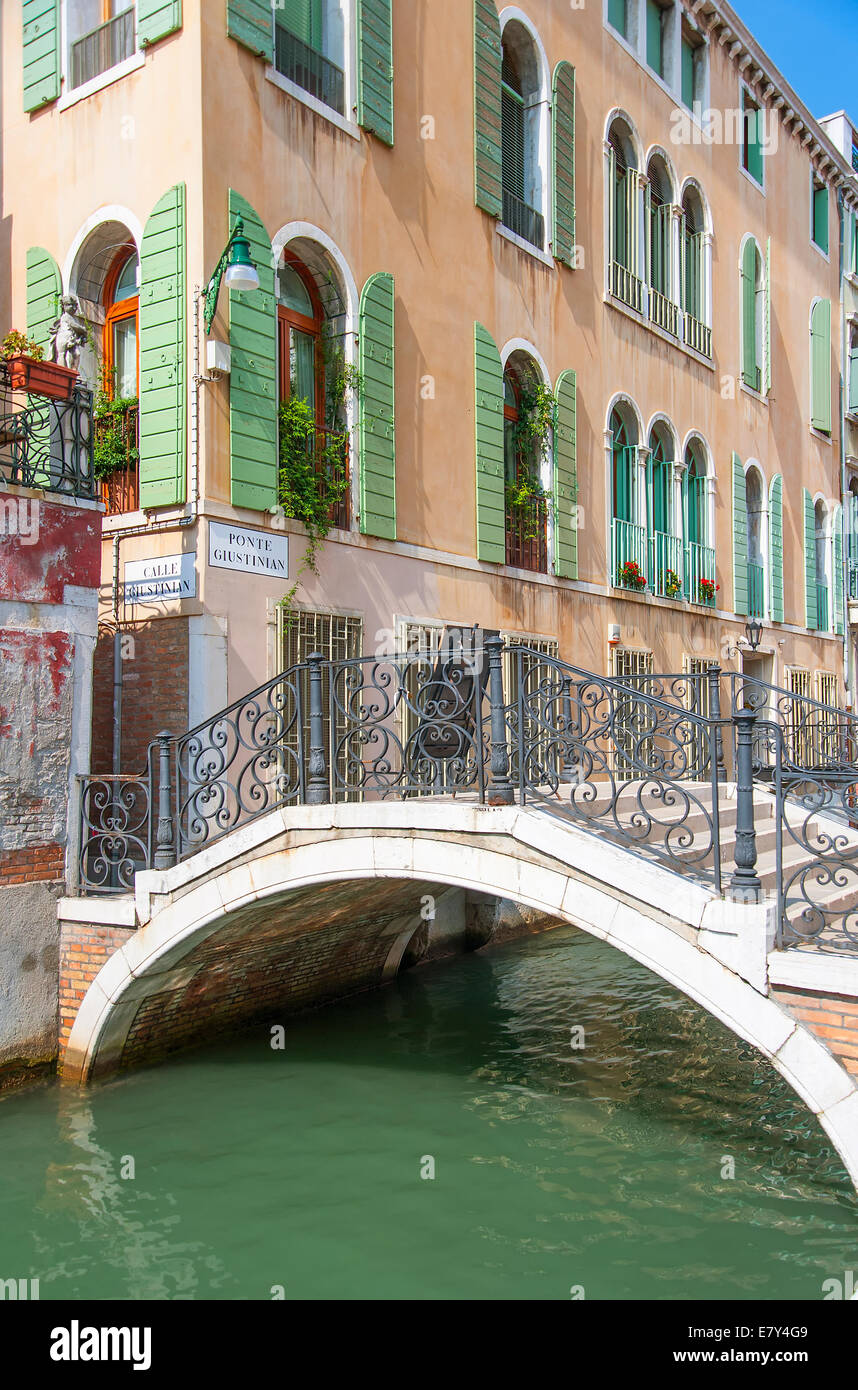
(236, 267)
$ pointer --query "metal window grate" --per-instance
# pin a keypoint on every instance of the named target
(308, 69)
(628, 748)
(339, 637)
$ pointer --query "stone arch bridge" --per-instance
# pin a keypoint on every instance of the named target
(349, 818)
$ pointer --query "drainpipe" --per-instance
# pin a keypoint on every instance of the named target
(842, 578)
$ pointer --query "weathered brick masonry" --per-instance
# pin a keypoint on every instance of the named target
(84, 948)
(832, 1017)
(154, 691)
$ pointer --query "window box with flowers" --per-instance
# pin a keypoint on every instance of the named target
(29, 372)
(631, 576)
(706, 591)
(672, 584)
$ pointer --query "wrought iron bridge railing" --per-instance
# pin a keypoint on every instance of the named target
(670, 766)
(46, 443)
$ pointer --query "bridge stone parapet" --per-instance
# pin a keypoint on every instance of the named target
(309, 904)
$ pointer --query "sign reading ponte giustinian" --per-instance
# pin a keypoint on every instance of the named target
(252, 552)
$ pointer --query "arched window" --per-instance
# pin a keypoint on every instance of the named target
(753, 308)
(662, 310)
(755, 509)
(665, 569)
(121, 306)
(522, 114)
(695, 273)
(629, 560)
(823, 566)
(526, 498)
(624, 216)
(311, 370)
(699, 553)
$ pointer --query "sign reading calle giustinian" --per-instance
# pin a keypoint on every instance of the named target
(252, 552)
(162, 577)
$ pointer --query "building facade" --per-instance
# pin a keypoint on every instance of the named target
(555, 330)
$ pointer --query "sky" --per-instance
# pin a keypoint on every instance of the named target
(815, 46)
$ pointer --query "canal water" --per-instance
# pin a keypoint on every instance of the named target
(308, 1171)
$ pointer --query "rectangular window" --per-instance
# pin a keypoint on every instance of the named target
(752, 149)
(101, 34)
(819, 213)
(854, 153)
(339, 637)
(617, 16)
(687, 73)
(655, 37)
(304, 52)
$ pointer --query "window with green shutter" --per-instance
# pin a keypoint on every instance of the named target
(254, 463)
(251, 23)
(44, 287)
(375, 67)
(655, 37)
(41, 52)
(563, 140)
(752, 145)
(163, 353)
(820, 365)
(489, 422)
(487, 108)
(852, 370)
(156, 19)
(839, 577)
(740, 539)
(566, 478)
(752, 295)
(776, 546)
(687, 75)
(819, 212)
(810, 597)
(377, 420)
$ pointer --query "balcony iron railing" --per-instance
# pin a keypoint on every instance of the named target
(120, 488)
(523, 220)
(665, 564)
(698, 336)
(526, 530)
(102, 48)
(699, 565)
(756, 590)
(626, 286)
(628, 544)
(46, 443)
(663, 312)
(311, 71)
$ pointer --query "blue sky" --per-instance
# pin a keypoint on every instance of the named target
(815, 45)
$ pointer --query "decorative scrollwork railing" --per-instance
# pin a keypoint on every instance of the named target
(814, 736)
(46, 443)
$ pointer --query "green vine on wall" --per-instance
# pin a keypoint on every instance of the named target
(531, 434)
(110, 447)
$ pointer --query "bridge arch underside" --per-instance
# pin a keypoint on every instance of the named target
(302, 917)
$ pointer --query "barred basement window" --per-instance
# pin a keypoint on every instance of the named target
(339, 637)
(800, 734)
(629, 750)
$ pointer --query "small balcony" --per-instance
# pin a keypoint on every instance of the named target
(626, 286)
(663, 312)
(698, 336)
(102, 48)
(756, 590)
(308, 69)
(523, 220)
(117, 456)
(665, 565)
(700, 574)
(628, 548)
(45, 442)
(526, 529)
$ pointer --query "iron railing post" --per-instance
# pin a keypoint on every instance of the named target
(317, 786)
(714, 677)
(500, 786)
(745, 885)
(165, 853)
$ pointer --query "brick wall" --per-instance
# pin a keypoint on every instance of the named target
(154, 690)
(35, 864)
(832, 1017)
(84, 948)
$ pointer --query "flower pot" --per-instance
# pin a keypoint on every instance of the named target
(41, 378)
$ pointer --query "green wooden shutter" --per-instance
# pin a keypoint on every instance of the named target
(687, 83)
(839, 576)
(820, 365)
(41, 52)
(654, 52)
(44, 287)
(303, 18)
(251, 22)
(776, 546)
(375, 67)
(768, 315)
(563, 136)
(740, 539)
(162, 352)
(617, 15)
(488, 383)
(566, 479)
(254, 461)
(809, 561)
(750, 370)
(156, 19)
(377, 432)
(853, 379)
(487, 107)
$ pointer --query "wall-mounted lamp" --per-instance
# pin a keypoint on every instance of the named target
(236, 267)
(754, 632)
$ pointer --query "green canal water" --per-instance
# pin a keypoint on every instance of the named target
(555, 1167)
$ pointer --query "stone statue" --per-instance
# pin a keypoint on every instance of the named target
(68, 334)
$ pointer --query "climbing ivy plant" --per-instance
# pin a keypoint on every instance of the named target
(530, 439)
